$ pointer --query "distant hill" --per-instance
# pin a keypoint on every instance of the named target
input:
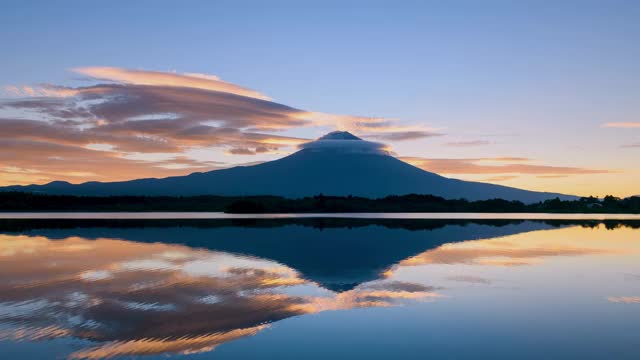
(338, 164)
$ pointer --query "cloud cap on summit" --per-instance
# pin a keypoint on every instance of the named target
(345, 142)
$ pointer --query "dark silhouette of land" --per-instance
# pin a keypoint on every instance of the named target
(21, 201)
(338, 164)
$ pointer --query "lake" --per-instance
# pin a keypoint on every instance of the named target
(285, 287)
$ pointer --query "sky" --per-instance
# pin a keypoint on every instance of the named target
(540, 95)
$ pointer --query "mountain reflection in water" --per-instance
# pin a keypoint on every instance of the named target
(145, 287)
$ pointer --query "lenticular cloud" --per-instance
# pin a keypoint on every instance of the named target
(345, 142)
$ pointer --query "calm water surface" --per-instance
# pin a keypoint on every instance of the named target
(319, 289)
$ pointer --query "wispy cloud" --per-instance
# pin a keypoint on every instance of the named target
(158, 78)
(557, 176)
(46, 161)
(632, 124)
(487, 166)
(468, 143)
(500, 178)
(401, 135)
(136, 112)
(374, 127)
(469, 279)
(625, 299)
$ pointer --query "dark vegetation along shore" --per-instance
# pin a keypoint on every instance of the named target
(29, 225)
(21, 201)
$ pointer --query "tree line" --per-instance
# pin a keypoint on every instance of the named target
(24, 201)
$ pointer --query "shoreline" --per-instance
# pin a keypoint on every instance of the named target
(353, 215)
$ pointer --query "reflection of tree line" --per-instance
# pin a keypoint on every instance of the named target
(12, 225)
(21, 201)
(429, 203)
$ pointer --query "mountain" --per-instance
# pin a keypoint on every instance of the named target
(338, 163)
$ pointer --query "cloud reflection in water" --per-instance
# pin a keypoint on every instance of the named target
(153, 298)
(124, 297)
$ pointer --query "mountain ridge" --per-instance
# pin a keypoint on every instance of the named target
(338, 164)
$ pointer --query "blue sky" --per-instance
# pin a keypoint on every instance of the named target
(528, 79)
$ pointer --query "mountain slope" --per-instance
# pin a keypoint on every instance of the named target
(338, 165)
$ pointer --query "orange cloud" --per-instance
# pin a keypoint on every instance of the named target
(159, 78)
(29, 161)
(103, 131)
(476, 166)
(500, 178)
(633, 124)
(44, 91)
(625, 299)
